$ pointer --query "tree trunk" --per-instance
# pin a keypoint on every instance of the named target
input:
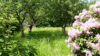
(64, 30)
(22, 30)
(30, 28)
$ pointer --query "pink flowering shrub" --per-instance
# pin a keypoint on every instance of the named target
(84, 38)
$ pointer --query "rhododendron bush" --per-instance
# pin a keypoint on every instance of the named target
(84, 38)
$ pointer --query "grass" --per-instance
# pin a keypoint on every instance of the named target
(48, 41)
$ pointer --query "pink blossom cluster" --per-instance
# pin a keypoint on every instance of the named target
(88, 53)
(94, 46)
(84, 15)
(73, 33)
(91, 23)
(84, 38)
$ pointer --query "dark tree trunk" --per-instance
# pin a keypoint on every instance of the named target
(30, 28)
(22, 30)
(64, 30)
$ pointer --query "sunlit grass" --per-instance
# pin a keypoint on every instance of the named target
(48, 41)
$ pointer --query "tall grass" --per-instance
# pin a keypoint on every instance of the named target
(48, 41)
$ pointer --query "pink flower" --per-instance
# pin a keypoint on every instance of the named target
(88, 53)
(76, 23)
(98, 37)
(91, 44)
(69, 45)
(87, 16)
(74, 33)
(84, 27)
(69, 40)
(76, 46)
(92, 7)
(91, 23)
(98, 40)
(98, 47)
(97, 10)
(96, 25)
(81, 15)
(88, 32)
(84, 11)
(78, 39)
(76, 17)
(73, 51)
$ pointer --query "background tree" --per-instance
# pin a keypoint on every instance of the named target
(19, 10)
(62, 12)
(32, 6)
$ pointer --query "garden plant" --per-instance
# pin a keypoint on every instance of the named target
(84, 38)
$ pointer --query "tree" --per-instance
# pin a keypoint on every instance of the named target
(32, 5)
(62, 11)
(25, 9)
(35, 11)
(19, 10)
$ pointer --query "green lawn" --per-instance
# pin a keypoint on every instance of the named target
(48, 41)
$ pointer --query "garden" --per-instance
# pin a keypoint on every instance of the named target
(49, 28)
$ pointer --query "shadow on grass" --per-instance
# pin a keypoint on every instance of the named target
(42, 34)
(56, 34)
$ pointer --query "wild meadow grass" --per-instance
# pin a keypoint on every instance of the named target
(48, 41)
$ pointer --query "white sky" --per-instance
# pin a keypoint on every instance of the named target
(94, 0)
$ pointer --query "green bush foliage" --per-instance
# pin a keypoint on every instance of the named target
(8, 45)
(14, 24)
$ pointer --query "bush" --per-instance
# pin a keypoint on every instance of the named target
(21, 50)
(8, 45)
(84, 38)
(13, 24)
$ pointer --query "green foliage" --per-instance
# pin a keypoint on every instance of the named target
(6, 39)
(42, 23)
(21, 50)
(62, 12)
(15, 26)
(8, 45)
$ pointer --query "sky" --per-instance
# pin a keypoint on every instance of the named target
(94, 0)
(97, 0)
